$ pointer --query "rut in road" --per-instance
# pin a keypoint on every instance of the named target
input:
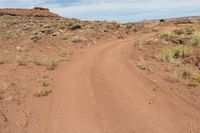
(100, 93)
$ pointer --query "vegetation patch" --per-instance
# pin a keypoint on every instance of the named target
(76, 39)
(21, 61)
(49, 63)
(42, 93)
(195, 80)
(186, 75)
(195, 39)
(167, 36)
(173, 77)
(172, 53)
(44, 81)
(9, 36)
(142, 64)
(5, 59)
(35, 38)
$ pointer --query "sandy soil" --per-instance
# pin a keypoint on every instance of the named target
(102, 91)
(62, 75)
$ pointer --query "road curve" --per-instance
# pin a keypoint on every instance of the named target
(100, 93)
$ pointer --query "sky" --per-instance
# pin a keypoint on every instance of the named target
(113, 10)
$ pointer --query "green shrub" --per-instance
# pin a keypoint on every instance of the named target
(172, 53)
(195, 39)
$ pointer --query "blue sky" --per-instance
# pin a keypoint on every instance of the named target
(119, 10)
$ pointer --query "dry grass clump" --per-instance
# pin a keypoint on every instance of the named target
(10, 36)
(181, 36)
(21, 61)
(173, 77)
(150, 28)
(195, 80)
(44, 81)
(76, 39)
(49, 63)
(167, 36)
(186, 74)
(172, 53)
(142, 64)
(35, 38)
(195, 39)
(42, 93)
(36, 61)
(5, 59)
(65, 55)
(74, 26)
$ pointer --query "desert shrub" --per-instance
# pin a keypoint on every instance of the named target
(44, 81)
(150, 28)
(49, 63)
(173, 77)
(35, 38)
(5, 59)
(65, 55)
(36, 61)
(21, 61)
(186, 75)
(42, 93)
(195, 39)
(169, 54)
(7, 36)
(69, 24)
(76, 39)
(195, 81)
(75, 26)
(142, 64)
(181, 36)
(10, 36)
(167, 36)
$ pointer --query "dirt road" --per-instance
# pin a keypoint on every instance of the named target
(100, 92)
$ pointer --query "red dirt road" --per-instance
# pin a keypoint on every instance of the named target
(101, 92)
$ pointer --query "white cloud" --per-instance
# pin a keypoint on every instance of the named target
(122, 10)
(100, 9)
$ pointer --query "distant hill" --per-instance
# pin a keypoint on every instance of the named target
(35, 12)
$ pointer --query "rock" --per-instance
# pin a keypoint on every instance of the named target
(19, 49)
(75, 27)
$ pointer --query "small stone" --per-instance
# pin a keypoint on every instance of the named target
(19, 49)
(150, 102)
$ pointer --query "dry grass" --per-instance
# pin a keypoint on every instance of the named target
(195, 40)
(42, 93)
(172, 53)
(49, 63)
(142, 64)
(195, 80)
(21, 61)
(173, 77)
(5, 59)
(44, 81)
(76, 39)
(36, 38)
